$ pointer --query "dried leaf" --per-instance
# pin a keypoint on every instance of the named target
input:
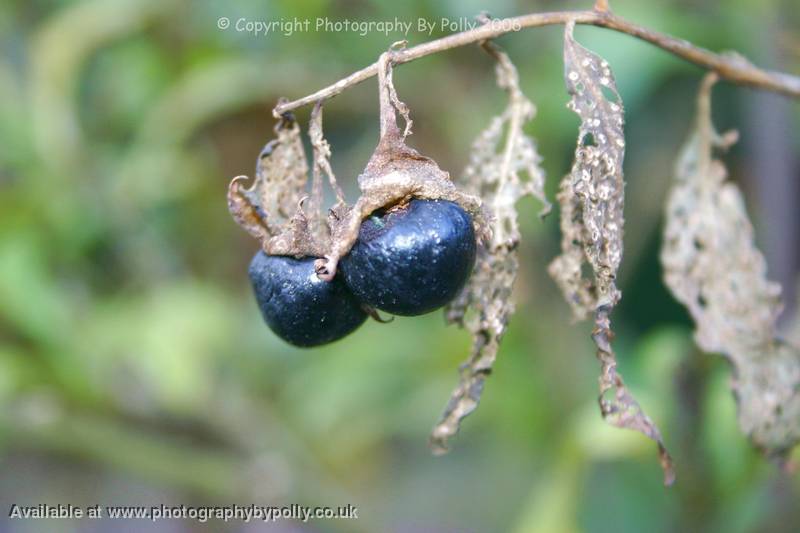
(595, 181)
(274, 208)
(504, 167)
(712, 266)
(591, 198)
(278, 187)
(281, 175)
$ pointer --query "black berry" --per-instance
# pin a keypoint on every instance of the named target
(411, 260)
(298, 306)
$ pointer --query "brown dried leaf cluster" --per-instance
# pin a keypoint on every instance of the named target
(276, 208)
(591, 198)
(504, 167)
(712, 266)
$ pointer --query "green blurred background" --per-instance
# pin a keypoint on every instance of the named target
(135, 368)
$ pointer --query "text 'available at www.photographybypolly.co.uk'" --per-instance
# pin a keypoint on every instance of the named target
(200, 513)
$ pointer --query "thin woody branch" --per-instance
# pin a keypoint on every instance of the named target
(730, 66)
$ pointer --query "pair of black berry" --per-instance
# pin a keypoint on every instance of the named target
(407, 261)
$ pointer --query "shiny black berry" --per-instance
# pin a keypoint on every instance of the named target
(411, 260)
(298, 306)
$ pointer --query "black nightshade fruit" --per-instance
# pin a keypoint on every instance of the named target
(298, 306)
(411, 260)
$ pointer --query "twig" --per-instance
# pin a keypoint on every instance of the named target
(729, 66)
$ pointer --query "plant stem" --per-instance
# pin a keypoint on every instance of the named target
(729, 66)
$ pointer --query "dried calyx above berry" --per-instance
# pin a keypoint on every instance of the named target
(407, 246)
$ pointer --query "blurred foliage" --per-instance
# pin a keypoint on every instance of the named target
(134, 367)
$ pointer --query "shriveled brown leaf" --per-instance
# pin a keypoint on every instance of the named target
(276, 209)
(593, 191)
(503, 167)
(279, 184)
(591, 198)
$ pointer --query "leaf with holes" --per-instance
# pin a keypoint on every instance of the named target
(712, 266)
(591, 198)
